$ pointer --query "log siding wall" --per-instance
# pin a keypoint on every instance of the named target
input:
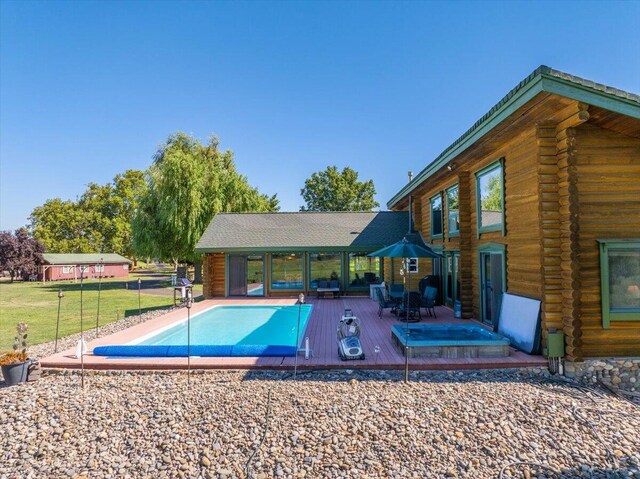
(568, 182)
(213, 275)
(608, 194)
(521, 220)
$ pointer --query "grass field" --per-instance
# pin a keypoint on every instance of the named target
(37, 305)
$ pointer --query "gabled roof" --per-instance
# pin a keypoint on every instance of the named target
(84, 258)
(543, 79)
(229, 232)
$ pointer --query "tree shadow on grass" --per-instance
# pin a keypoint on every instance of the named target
(94, 285)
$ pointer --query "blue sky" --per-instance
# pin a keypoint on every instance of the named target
(88, 90)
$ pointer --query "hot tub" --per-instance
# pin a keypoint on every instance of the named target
(449, 341)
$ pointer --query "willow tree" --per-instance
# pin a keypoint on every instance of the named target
(187, 184)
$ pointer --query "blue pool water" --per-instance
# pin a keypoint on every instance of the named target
(233, 325)
(225, 331)
(287, 285)
(257, 291)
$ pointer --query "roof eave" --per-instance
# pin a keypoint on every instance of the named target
(541, 82)
(591, 96)
(528, 92)
(288, 249)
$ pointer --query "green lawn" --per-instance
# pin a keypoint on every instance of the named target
(36, 304)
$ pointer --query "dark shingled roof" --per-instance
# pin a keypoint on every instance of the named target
(84, 258)
(543, 79)
(303, 230)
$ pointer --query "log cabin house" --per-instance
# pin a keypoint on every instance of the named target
(539, 198)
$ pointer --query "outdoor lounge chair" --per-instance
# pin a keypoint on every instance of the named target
(409, 309)
(383, 303)
(429, 300)
(332, 287)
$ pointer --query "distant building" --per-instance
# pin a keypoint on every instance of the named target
(91, 265)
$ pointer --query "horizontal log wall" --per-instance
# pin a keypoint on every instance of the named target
(608, 191)
(522, 237)
(549, 215)
(522, 225)
(213, 275)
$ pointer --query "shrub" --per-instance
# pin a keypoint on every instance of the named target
(19, 352)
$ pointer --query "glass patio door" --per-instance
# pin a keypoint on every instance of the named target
(255, 275)
(452, 279)
(237, 275)
(491, 286)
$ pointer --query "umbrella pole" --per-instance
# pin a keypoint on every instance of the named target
(81, 333)
(99, 290)
(295, 364)
(189, 304)
(406, 311)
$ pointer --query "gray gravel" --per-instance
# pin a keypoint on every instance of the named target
(324, 425)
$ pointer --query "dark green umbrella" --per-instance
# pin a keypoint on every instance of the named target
(405, 249)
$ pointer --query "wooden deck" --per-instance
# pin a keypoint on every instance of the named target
(321, 331)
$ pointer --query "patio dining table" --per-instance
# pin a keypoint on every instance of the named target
(398, 297)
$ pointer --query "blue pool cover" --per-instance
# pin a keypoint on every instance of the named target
(161, 351)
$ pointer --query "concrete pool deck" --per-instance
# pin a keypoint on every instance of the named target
(321, 331)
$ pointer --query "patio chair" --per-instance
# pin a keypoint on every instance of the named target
(396, 288)
(429, 300)
(409, 309)
(383, 303)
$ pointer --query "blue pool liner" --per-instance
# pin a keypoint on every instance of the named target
(168, 351)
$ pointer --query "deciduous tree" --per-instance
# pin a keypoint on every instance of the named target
(332, 190)
(19, 253)
(99, 221)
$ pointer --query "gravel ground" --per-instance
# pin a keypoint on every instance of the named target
(324, 425)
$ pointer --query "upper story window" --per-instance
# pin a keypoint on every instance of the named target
(490, 198)
(453, 220)
(436, 216)
(620, 280)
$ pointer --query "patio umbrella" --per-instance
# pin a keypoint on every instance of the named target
(405, 249)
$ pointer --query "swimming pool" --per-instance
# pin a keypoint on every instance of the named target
(449, 341)
(260, 330)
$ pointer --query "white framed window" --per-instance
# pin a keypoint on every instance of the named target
(125, 267)
(412, 265)
(67, 269)
(99, 268)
